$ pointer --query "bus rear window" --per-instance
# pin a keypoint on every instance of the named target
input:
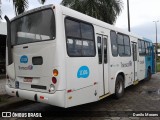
(35, 27)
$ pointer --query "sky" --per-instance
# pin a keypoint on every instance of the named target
(142, 15)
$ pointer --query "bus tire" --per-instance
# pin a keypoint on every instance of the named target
(149, 74)
(119, 87)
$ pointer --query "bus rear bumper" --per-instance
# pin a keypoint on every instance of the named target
(56, 99)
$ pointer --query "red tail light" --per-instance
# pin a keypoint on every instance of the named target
(54, 80)
(69, 91)
(42, 97)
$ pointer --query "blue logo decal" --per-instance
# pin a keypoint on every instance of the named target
(83, 72)
(24, 59)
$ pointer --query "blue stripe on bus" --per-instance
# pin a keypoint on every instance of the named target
(149, 60)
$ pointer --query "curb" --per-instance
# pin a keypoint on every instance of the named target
(14, 102)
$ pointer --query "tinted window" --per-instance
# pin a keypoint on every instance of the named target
(105, 50)
(88, 48)
(72, 28)
(121, 50)
(35, 27)
(127, 50)
(74, 47)
(87, 31)
(124, 48)
(143, 47)
(80, 38)
(126, 40)
(113, 37)
(120, 39)
(147, 48)
(99, 46)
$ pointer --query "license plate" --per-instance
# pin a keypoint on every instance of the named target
(27, 79)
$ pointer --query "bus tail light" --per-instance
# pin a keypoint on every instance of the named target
(55, 72)
(41, 97)
(54, 80)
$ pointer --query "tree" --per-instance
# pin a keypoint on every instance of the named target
(105, 10)
(21, 5)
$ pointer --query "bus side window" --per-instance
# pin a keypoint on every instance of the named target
(127, 46)
(80, 38)
(139, 47)
(146, 47)
(124, 48)
(120, 45)
(143, 47)
(113, 37)
(150, 49)
(99, 46)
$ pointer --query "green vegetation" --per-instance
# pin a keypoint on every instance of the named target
(105, 10)
(158, 66)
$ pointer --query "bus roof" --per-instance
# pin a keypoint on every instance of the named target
(146, 39)
(81, 16)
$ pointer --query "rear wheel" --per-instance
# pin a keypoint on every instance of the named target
(149, 74)
(119, 87)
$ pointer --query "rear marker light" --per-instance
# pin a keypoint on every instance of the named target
(54, 80)
(70, 97)
(55, 72)
(69, 91)
(42, 97)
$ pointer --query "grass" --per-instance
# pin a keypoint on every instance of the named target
(158, 66)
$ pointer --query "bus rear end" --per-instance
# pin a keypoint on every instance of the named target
(34, 68)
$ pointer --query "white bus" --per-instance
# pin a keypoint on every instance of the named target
(61, 57)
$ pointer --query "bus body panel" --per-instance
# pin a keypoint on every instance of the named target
(120, 65)
(82, 96)
(38, 50)
(141, 67)
(75, 72)
(149, 58)
(56, 99)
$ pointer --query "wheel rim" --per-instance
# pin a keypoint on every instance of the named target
(119, 87)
